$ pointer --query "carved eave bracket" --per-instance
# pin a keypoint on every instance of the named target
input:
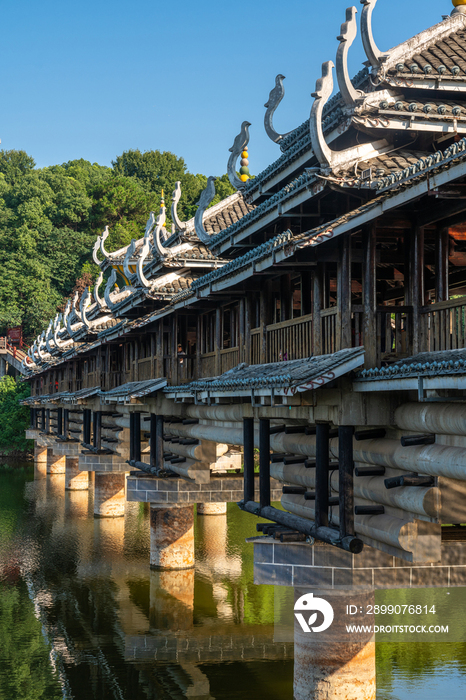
(348, 33)
(176, 196)
(159, 247)
(84, 305)
(48, 337)
(129, 254)
(324, 88)
(108, 287)
(98, 299)
(275, 97)
(103, 238)
(374, 55)
(142, 279)
(94, 252)
(239, 144)
(207, 196)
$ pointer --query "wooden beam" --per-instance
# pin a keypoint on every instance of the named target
(442, 246)
(344, 292)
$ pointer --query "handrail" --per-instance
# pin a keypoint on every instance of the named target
(286, 324)
(440, 305)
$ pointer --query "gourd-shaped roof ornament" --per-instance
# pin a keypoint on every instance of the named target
(207, 196)
(373, 53)
(348, 33)
(239, 144)
(276, 96)
(176, 196)
(460, 7)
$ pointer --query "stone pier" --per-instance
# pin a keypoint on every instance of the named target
(56, 463)
(109, 495)
(171, 537)
(333, 663)
(211, 508)
(40, 460)
(76, 480)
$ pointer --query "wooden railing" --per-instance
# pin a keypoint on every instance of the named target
(255, 346)
(229, 358)
(443, 325)
(394, 331)
(290, 340)
(207, 368)
(330, 334)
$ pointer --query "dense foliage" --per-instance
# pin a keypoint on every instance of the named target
(14, 418)
(50, 218)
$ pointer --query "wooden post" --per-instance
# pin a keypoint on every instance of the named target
(265, 313)
(417, 283)
(371, 342)
(153, 355)
(197, 370)
(306, 293)
(159, 350)
(346, 490)
(322, 461)
(97, 429)
(442, 243)
(218, 339)
(174, 353)
(344, 293)
(285, 298)
(248, 431)
(316, 309)
(241, 324)
(247, 331)
(136, 360)
(264, 462)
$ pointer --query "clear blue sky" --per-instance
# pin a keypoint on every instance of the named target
(91, 79)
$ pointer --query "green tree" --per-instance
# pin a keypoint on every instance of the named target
(14, 418)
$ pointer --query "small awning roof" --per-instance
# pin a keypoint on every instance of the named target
(127, 393)
(280, 378)
(445, 369)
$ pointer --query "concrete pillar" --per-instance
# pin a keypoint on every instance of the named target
(40, 460)
(332, 663)
(171, 537)
(56, 464)
(109, 494)
(171, 600)
(75, 480)
(211, 508)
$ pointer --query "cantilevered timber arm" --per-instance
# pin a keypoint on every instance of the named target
(348, 34)
(276, 96)
(205, 199)
(240, 142)
(374, 55)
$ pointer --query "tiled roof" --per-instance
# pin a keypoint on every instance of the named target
(294, 375)
(424, 364)
(132, 390)
(445, 57)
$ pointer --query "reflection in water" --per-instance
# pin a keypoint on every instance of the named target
(83, 617)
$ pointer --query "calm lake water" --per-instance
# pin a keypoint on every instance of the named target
(83, 617)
